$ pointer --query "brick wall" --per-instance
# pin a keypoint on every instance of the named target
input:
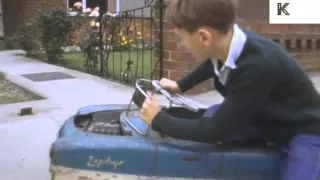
(16, 12)
(302, 41)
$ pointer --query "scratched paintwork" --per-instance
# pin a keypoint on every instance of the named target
(63, 173)
(152, 156)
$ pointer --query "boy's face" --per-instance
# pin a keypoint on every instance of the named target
(198, 43)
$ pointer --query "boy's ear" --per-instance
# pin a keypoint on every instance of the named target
(205, 36)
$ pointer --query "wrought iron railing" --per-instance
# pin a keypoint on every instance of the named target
(128, 44)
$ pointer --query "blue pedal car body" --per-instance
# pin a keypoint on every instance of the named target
(111, 142)
(89, 146)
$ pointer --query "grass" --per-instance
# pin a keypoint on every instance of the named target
(143, 63)
(2, 76)
(12, 93)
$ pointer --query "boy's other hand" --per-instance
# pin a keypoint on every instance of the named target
(170, 85)
(150, 109)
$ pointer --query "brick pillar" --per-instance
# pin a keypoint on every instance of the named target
(177, 61)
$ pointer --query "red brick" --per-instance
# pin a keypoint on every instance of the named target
(17, 11)
(169, 35)
(166, 73)
(182, 56)
(169, 45)
(175, 75)
(275, 28)
(175, 65)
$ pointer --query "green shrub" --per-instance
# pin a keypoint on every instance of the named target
(25, 38)
(90, 47)
(9, 43)
(57, 30)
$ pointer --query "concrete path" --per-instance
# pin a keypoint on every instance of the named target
(25, 141)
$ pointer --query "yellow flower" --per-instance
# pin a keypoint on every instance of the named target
(138, 33)
(131, 40)
(92, 23)
(125, 42)
(123, 38)
(109, 38)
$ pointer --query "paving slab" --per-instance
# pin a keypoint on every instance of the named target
(24, 148)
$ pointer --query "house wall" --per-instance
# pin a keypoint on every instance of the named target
(142, 10)
(16, 12)
(112, 6)
(253, 10)
(12, 15)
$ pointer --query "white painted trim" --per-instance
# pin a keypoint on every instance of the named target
(84, 5)
(64, 173)
(72, 13)
(118, 6)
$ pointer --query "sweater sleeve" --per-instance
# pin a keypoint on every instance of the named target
(203, 72)
(247, 95)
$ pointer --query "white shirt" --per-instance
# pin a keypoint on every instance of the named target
(238, 41)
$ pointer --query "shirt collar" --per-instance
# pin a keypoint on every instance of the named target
(238, 41)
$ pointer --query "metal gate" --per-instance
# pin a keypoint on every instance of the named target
(129, 44)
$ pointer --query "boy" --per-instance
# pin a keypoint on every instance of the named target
(265, 91)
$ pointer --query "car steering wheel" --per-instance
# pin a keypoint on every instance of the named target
(174, 99)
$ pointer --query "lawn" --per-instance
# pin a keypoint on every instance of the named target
(143, 63)
(11, 93)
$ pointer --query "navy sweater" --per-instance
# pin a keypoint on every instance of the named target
(268, 89)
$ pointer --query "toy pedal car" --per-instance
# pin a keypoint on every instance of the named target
(108, 142)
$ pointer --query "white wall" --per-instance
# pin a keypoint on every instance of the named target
(125, 5)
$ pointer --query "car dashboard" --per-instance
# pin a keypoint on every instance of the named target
(120, 122)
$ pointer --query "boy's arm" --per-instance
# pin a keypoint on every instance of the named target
(203, 72)
(248, 94)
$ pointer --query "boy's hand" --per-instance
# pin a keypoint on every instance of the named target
(150, 109)
(170, 85)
